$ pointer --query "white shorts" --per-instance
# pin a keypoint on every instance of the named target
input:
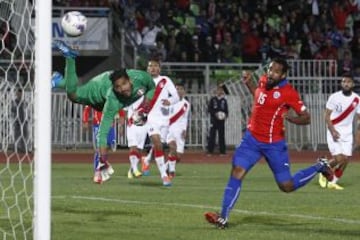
(136, 136)
(158, 128)
(340, 146)
(175, 134)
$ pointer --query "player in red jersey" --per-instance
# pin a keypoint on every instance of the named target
(273, 97)
(96, 119)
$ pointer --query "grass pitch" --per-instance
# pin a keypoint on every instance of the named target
(144, 209)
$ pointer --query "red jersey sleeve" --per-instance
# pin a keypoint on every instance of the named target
(86, 113)
(97, 115)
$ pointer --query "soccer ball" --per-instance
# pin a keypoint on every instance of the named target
(220, 115)
(74, 23)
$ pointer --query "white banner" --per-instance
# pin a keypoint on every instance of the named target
(95, 36)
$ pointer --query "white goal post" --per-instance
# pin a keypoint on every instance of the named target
(42, 157)
(25, 119)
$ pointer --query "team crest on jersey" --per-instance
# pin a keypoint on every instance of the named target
(276, 94)
(140, 92)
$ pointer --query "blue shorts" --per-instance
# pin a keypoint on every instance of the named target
(111, 138)
(250, 151)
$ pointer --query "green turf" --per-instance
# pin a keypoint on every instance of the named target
(144, 209)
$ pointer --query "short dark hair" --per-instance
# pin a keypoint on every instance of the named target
(116, 74)
(282, 62)
(155, 59)
(180, 83)
(347, 75)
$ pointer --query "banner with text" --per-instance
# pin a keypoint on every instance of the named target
(95, 36)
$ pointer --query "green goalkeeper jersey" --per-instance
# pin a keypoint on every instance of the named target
(98, 93)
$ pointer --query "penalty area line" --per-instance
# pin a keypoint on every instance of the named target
(262, 213)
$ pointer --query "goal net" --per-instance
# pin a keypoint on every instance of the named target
(20, 118)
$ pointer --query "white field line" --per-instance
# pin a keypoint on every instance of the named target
(264, 213)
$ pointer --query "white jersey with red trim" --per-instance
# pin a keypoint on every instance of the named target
(165, 90)
(343, 111)
(179, 114)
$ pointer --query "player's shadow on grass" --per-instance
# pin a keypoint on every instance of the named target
(292, 226)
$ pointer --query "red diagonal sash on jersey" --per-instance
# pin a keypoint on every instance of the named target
(346, 113)
(158, 89)
(179, 114)
(146, 105)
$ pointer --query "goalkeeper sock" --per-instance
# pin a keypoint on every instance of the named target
(231, 194)
(96, 159)
(304, 176)
(70, 75)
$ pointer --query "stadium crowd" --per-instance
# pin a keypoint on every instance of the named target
(247, 31)
(243, 31)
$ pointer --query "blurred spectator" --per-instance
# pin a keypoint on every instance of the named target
(211, 10)
(265, 49)
(194, 52)
(276, 49)
(152, 14)
(340, 12)
(140, 21)
(149, 34)
(355, 49)
(251, 47)
(345, 64)
(184, 42)
(228, 49)
(209, 52)
(159, 51)
(336, 37)
(171, 45)
(201, 20)
(328, 51)
(291, 51)
(168, 20)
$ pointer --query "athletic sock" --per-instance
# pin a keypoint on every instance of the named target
(70, 75)
(96, 159)
(134, 160)
(172, 163)
(335, 179)
(231, 194)
(302, 177)
(147, 158)
(338, 172)
(160, 162)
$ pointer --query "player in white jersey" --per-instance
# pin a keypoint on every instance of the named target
(136, 136)
(341, 108)
(158, 118)
(178, 123)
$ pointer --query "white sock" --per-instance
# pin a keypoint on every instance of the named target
(134, 160)
(171, 165)
(147, 158)
(334, 180)
(160, 162)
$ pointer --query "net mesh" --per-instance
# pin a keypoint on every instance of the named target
(16, 118)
